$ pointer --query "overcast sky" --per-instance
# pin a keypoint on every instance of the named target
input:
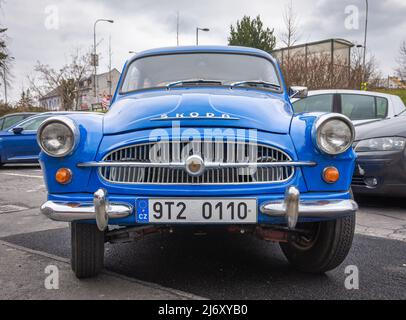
(48, 31)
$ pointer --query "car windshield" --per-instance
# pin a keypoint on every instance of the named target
(200, 69)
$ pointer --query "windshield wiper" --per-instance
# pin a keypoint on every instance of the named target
(193, 81)
(255, 83)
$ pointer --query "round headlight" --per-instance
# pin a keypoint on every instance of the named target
(58, 137)
(334, 134)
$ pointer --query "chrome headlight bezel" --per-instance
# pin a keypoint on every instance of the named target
(70, 125)
(319, 125)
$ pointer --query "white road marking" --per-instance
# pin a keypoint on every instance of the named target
(21, 175)
(10, 208)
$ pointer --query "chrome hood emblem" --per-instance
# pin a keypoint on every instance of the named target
(195, 116)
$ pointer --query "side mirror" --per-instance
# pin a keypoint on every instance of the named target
(18, 130)
(299, 92)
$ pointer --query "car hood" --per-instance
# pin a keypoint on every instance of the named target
(383, 128)
(231, 108)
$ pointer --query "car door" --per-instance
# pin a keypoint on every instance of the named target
(22, 146)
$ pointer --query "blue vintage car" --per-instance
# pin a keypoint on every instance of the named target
(202, 137)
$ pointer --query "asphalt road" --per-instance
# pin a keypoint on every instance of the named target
(219, 266)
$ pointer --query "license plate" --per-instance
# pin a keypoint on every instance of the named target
(197, 211)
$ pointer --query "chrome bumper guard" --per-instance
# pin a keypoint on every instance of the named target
(292, 208)
(101, 210)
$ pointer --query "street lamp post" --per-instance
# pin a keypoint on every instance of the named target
(95, 62)
(197, 33)
(365, 38)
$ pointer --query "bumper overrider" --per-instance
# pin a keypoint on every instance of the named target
(291, 208)
(101, 210)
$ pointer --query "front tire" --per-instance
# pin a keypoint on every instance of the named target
(87, 250)
(324, 248)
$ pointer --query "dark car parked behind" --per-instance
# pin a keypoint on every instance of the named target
(381, 150)
(18, 144)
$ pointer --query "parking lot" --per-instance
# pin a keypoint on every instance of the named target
(185, 266)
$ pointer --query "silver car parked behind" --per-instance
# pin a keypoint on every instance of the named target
(359, 106)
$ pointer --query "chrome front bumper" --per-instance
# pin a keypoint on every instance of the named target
(292, 208)
(101, 210)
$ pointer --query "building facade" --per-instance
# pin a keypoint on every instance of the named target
(87, 100)
(106, 84)
(52, 101)
(391, 83)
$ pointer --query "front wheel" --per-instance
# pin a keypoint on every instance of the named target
(323, 248)
(87, 250)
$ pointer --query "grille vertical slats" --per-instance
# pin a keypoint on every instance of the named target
(211, 151)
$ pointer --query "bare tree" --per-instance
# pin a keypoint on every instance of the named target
(79, 69)
(5, 60)
(64, 81)
(371, 74)
(401, 70)
(319, 73)
(26, 102)
(291, 35)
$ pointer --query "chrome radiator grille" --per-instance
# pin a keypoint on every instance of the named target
(173, 153)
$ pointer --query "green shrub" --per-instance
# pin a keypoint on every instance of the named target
(7, 108)
(397, 92)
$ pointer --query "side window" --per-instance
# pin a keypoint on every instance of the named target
(381, 107)
(33, 125)
(398, 105)
(10, 121)
(132, 80)
(358, 107)
(320, 103)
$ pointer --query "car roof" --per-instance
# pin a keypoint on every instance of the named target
(58, 113)
(67, 112)
(19, 114)
(203, 49)
(343, 91)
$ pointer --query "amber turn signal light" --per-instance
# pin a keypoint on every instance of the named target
(63, 176)
(331, 175)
